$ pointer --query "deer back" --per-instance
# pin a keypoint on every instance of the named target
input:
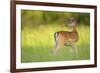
(65, 36)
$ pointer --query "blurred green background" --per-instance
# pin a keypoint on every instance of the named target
(37, 35)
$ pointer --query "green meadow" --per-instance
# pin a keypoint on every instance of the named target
(37, 45)
(37, 41)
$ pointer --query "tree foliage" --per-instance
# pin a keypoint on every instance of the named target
(34, 18)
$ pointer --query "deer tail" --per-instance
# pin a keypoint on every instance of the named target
(56, 38)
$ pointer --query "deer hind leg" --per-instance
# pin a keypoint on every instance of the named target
(58, 43)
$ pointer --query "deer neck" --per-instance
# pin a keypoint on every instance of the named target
(75, 28)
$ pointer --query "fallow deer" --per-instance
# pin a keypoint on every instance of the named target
(67, 37)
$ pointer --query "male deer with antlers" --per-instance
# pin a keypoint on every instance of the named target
(67, 37)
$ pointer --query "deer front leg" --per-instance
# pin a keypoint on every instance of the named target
(74, 47)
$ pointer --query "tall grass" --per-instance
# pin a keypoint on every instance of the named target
(37, 44)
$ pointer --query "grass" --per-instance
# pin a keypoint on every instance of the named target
(37, 44)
